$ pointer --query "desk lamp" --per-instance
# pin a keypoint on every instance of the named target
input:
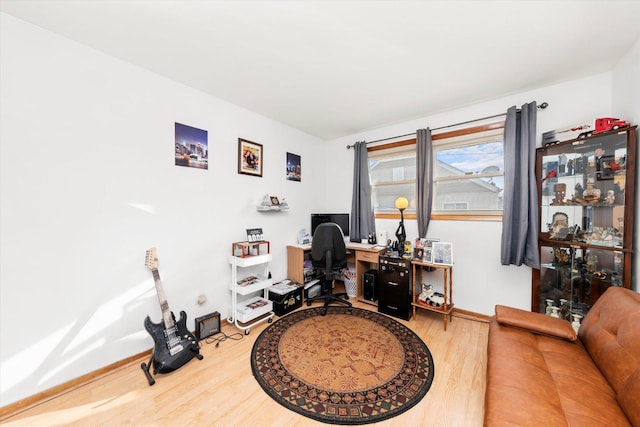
(401, 235)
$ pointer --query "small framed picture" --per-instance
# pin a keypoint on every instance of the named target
(428, 242)
(427, 255)
(442, 253)
(250, 158)
(255, 235)
(275, 201)
(606, 166)
(294, 170)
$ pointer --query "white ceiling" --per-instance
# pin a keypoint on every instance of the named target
(333, 68)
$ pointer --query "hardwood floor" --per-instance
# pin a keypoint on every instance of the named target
(220, 389)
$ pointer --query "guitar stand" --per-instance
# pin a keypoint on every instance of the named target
(146, 367)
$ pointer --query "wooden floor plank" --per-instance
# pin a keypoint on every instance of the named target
(220, 389)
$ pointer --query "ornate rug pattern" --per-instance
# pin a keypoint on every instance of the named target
(346, 367)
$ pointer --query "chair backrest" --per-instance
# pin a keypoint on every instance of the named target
(328, 237)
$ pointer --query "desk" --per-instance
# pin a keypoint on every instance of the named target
(362, 255)
(447, 307)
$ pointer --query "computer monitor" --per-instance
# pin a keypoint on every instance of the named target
(342, 219)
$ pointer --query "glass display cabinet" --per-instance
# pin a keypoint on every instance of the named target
(586, 199)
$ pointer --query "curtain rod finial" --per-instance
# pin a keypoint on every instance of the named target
(543, 105)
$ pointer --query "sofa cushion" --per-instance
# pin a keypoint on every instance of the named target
(535, 322)
(611, 334)
(535, 380)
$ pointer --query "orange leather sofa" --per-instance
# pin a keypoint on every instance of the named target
(541, 373)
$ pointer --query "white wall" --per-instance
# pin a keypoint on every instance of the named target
(479, 280)
(626, 105)
(88, 183)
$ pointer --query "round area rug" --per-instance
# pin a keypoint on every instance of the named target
(346, 367)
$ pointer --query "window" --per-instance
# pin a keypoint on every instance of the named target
(468, 175)
(392, 172)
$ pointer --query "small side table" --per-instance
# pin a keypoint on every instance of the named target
(447, 307)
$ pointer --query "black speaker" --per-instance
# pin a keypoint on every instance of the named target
(207, 325)
(370, 285)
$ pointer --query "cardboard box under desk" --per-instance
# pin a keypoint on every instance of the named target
(286, 303)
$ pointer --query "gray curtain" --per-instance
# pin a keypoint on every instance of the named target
(424, 179)
(362, 219)
(520, 217)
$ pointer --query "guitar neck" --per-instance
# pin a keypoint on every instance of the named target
(164, 305)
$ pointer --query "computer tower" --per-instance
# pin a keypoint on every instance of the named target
(370, 285)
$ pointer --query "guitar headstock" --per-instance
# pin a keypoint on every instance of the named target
(151, 260)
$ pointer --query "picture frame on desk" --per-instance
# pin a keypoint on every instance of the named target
(442, 253)
(427, 255)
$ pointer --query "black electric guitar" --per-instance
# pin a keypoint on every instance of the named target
(175, 345)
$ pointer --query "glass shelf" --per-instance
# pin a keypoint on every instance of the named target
(273, 208)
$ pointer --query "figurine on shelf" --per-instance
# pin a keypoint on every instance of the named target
(560, 190)
(591, 194)
(564, 308)
(610, 198)
(559, 228)
(560, 256)
(549, 305)
(427, 291)
(575, 324)
(562, 164)
(591, 262)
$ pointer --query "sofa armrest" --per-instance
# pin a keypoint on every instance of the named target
(535, 322)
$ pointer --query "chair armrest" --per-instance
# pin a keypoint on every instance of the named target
(535, 322)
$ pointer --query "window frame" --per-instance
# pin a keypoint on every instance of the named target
(442, 215)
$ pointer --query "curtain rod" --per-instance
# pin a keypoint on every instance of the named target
(541, 106)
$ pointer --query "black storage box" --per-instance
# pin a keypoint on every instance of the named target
(286, 303)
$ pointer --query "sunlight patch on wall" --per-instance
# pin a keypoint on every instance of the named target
(25, 363)
(105, 316)
(144, 207)
(67, 361)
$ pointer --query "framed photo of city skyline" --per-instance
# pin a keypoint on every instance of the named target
(191, 147)
(294, 169)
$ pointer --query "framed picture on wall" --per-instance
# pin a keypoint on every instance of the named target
(250, 157)
(191, 147)
(294, 171)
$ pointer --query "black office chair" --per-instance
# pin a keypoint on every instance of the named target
(329, 253)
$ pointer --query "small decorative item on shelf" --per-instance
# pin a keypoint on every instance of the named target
(575, 324)
(246, 249)
(591, 194)
(272, 203)
(560, 190)
(255, 234)
(559, 228)
(549, 306)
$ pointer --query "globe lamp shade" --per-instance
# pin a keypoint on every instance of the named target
(402, 203)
